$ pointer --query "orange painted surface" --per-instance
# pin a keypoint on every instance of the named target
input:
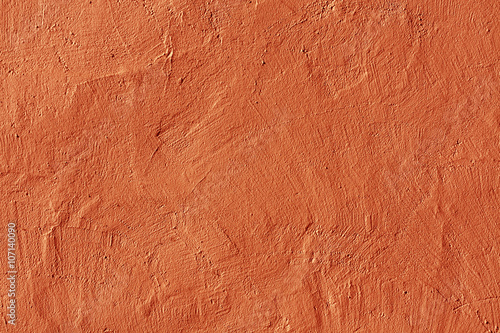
(251, 166)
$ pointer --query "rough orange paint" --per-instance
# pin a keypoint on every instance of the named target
(251, 166)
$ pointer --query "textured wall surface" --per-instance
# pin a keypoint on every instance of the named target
(251, 166)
